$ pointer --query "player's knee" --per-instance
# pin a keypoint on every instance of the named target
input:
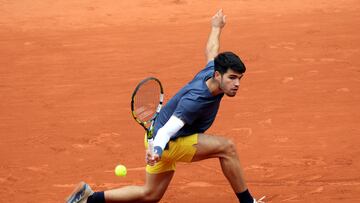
(150, 198)
(229, 148)
(150, 195)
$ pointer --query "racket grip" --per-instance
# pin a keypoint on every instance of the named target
(151, 146)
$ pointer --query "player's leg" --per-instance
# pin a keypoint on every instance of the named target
(219, 147)
(152, 191)
(158, 177)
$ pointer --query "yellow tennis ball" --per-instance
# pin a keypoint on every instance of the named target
(120, 170)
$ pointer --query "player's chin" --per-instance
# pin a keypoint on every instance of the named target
(230, 94)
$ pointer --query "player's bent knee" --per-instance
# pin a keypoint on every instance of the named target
(150, 198)
(151, 195)
(229, 148)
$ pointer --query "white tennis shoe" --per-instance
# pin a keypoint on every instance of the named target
(80, 193)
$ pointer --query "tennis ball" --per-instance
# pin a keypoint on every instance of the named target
(120, 170)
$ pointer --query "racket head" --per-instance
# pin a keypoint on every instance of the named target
(146, 102)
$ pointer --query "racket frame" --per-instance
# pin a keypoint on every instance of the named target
(149, 130)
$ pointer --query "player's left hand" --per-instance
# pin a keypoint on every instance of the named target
(218, 20)
(152, 158)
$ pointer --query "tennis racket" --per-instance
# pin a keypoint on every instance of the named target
(146, 102)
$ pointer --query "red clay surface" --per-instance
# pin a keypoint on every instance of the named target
(68, 68)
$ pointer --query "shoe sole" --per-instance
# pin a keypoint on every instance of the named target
(76, 190)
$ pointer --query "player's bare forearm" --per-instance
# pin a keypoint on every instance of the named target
(213, 43)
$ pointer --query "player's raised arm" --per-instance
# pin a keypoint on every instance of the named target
(213, 43)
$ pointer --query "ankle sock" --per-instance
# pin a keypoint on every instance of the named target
(245, 197)
(96, 197)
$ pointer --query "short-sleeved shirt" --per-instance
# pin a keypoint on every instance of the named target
(194, 104)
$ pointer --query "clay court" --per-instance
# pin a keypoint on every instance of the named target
(68, 68)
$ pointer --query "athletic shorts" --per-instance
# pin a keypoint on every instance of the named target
(180, 150)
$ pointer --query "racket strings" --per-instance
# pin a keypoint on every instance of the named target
(146, 100)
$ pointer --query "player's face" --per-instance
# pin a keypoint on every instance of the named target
(230, 82)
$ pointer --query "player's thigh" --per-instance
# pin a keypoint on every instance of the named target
(210, 146)
(157, 184)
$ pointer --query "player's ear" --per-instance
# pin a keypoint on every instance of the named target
(217, 75)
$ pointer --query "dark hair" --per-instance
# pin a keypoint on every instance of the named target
(227, 60)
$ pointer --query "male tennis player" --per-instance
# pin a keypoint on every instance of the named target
(179, 131)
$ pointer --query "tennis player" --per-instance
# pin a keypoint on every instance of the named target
(179, 131)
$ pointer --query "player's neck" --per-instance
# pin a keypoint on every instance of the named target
(214, 86)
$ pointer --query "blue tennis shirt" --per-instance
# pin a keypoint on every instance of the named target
(193, 104)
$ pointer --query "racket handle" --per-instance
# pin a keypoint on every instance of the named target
(151, 146)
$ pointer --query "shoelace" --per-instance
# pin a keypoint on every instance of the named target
(78, 196)
(261, 200)
(77, 199)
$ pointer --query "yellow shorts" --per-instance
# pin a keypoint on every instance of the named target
(180, 150)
